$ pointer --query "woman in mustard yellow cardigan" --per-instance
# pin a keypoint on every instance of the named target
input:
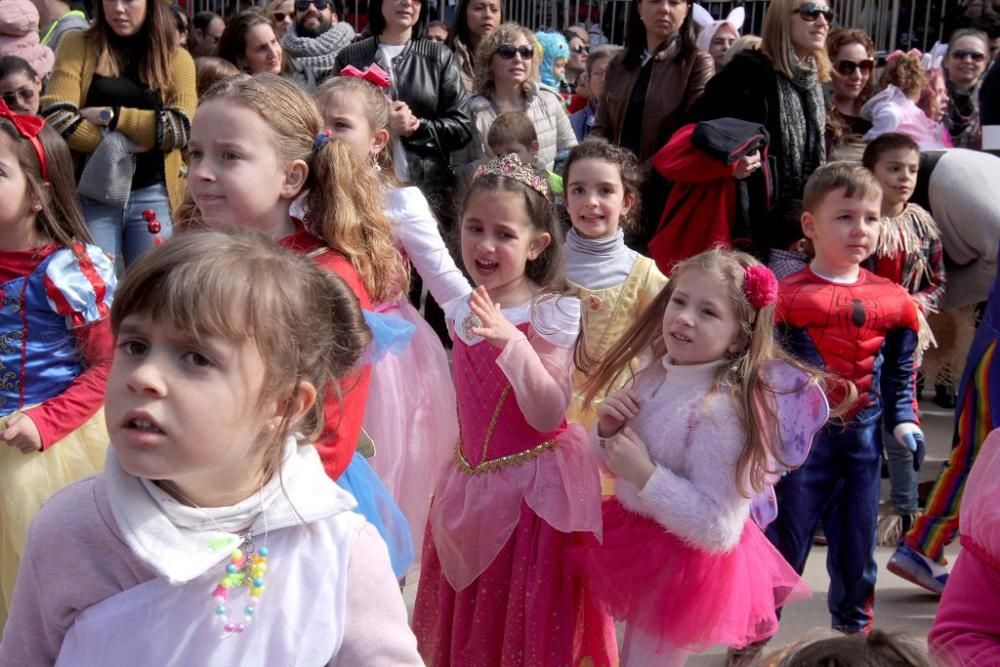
(125, 86)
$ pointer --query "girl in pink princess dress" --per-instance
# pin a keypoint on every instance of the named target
(692, 437)
(894, 108)
(410, 414)
(523, 487)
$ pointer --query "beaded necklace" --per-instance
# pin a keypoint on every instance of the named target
(247, 566)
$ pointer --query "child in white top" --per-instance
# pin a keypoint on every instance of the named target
(214, 537)
(691, 438)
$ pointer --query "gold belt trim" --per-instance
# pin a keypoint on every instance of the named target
(492, 465)
(504, 461)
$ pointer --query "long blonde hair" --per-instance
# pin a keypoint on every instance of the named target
(742, 375)
(343, 198)
(776, 41)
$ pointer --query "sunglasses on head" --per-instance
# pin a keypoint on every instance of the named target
(810, 11)
(848, 67)
(303, 5)
(580, 48)
(508, 51)
(975, 56)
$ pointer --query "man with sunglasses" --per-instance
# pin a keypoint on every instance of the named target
(315, 39)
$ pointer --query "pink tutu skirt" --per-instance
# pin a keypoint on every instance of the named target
(687, 597)
(412, 419)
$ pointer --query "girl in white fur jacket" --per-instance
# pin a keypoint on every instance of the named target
(689, 441)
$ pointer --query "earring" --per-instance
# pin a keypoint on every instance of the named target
(36, 207)
(376, 167)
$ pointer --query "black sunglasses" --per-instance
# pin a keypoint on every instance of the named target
(303, 5)
(508, 51)
(848, 67)
(25, 94)
(962, 54)
(580, 48)
(280, 16)
(810, 11)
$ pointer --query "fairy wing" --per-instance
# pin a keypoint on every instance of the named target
(801, 409)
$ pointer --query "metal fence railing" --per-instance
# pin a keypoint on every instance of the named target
(891, 23)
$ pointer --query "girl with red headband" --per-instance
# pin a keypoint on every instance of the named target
(55, 344)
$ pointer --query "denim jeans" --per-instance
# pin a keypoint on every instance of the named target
(902, 477)
(123, 233)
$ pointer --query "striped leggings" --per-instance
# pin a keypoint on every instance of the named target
(980, 388)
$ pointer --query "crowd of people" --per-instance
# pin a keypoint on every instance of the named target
(568, 332)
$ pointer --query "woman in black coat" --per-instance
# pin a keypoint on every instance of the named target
(779, 87)
(429, 116)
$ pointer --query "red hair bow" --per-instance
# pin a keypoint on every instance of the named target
(29, 128)
(912, 53)
(373, 74)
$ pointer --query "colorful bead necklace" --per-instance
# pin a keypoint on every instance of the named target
(245, 568)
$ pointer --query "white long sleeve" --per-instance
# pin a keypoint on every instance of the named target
(694, 437)
(416, 229)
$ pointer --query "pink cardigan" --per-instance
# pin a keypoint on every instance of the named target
(966, 630)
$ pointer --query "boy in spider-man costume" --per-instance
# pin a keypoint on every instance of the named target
(861, 328)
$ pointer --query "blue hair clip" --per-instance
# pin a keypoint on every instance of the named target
(322, 139)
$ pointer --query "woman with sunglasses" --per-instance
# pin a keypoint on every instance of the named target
(20, 85)
(281, 14)
(508, 78)
(474, 19)
(125, 81)
(852, 55)
(779, 87)
(964, 64)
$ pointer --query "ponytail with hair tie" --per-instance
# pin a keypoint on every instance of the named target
(322, 139)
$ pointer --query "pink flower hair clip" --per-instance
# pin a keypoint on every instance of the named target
(760, 286)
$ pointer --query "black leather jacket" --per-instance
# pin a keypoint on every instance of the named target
(427, 78)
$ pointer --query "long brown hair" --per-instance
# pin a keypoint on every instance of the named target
(752, 397)
(233, 43)
(835, 41)
(158, 36)
(236, 284)
(344, 200)
(60, 218)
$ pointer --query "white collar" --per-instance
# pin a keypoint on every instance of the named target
(180, 543)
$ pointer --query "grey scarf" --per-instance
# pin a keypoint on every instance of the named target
(803, 120)
(318, 54)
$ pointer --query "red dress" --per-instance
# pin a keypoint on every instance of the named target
(342, 416)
